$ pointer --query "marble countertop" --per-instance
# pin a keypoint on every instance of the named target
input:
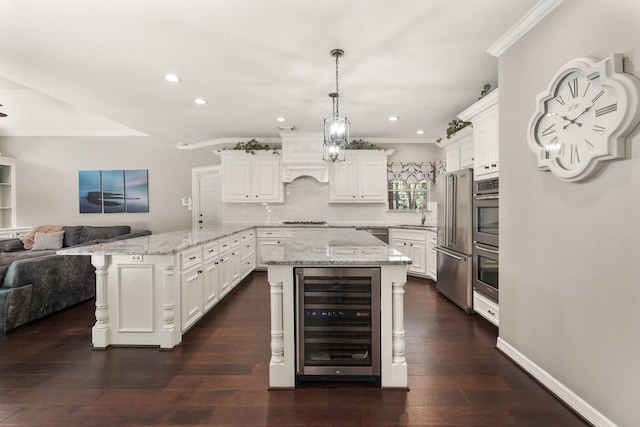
(172, 242)
(334, 247)
(167, 243)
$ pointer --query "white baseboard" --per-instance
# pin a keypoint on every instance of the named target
(563, 393)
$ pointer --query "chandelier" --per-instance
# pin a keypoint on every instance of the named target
(336, 128)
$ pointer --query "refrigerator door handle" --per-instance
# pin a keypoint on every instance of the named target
(449, 254)
(450, 203)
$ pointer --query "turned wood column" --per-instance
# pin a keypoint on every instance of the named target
(398, 322)
(169, 310)
(100, 331)
(277, 326)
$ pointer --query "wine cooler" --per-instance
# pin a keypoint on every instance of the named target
(338, 323)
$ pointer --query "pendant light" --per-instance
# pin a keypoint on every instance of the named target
(336, 128)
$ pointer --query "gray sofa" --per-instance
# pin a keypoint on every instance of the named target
(36, 283)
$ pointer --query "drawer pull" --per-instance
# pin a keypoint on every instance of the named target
(191, 258)
(491, 312)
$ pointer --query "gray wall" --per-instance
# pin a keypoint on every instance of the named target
(47, 178)
(570, 275)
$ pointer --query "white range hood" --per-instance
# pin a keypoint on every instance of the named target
(302, 156)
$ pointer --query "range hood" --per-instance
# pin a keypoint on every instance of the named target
(302, 156)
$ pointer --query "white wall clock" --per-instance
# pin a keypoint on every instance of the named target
(584, 117)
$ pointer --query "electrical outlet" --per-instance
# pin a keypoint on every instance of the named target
(136, 258)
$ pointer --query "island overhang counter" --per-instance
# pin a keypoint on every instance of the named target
(336, 248)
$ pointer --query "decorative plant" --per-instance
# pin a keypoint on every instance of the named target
(360, 144)
(251, 146)
(485, 90)
(455, 125)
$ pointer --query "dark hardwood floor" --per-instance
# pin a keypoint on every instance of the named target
(49, 376)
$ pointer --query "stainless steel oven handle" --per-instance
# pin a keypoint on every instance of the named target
(487, 249)
(486, 197)
(450, 254)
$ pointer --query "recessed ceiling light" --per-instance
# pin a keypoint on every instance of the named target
(200, 101)
(172, 78)
(281, 119)
(394, 118)
(419, 132)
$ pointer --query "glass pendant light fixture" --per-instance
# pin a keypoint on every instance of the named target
(336, 128)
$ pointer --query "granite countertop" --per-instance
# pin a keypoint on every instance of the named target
(334, 247)
(172, 242)
(167, 243)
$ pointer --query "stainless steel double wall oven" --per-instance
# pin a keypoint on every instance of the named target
(485, 237)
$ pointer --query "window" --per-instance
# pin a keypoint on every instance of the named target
(408, 185)
(405, 196)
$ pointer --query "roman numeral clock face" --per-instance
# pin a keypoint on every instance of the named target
(583, 119)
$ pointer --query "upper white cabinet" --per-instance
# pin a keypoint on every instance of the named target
(251, 177)
(484, 116)
(459, 151)
(361, 178)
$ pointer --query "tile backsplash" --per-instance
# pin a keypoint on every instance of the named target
(308, 200)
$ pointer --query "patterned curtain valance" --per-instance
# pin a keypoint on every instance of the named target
(412, 172)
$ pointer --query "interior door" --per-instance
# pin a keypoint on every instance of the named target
(207, 196)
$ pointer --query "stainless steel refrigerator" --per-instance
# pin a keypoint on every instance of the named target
(454, 196)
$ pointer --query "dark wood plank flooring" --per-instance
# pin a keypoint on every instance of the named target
(49, 376)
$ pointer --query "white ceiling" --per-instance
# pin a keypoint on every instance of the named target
(77, 67)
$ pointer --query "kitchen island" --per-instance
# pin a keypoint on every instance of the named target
(336, 248)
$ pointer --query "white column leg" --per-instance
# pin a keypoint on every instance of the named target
(100, 335)
(399, 374)
(398, 323)
(171, 336)
(277, 326)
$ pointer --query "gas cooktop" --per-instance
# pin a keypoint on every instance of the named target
(304, 222)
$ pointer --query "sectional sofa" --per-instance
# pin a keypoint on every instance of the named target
(37, 282)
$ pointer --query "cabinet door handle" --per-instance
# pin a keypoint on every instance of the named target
(191, 258)
(216, 262)
(493, 165)
(486, 167)
(199, 271)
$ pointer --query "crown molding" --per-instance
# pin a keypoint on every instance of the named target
(111, 133)
(528, 21)
(293, 136)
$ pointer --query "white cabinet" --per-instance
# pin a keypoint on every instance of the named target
(486, 308)
(251, 177)
(224, 267)
(459, 149)
(211, 275)
(192, 296)
(267, 240)
(411, 243)
(361, 178)
(432, 260)
(247, 253)
(484, 116)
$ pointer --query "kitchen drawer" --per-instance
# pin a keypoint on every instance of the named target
(210, 250)
(396, 233)
(486, 308)
(224, 245)
(247, 249)
(266, 233)
(431, 238)
(234, 240)
(191, 257)
(245, 236)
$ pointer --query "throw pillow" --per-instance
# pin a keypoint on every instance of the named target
(29, 238)
(11, 245)
(43, 241)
